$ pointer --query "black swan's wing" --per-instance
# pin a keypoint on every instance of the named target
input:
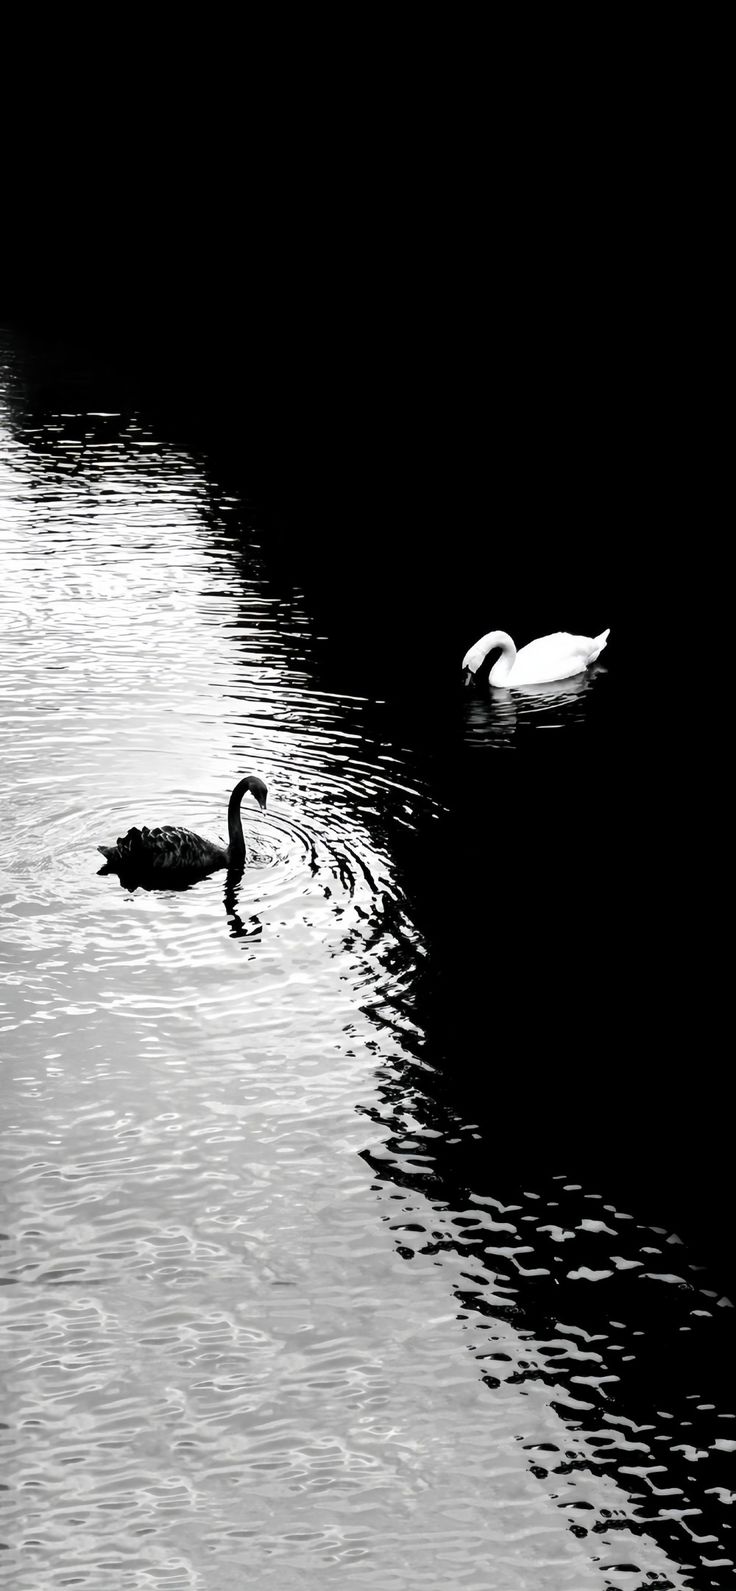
(168, 849)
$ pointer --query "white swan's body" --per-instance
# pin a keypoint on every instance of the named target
(550, 658)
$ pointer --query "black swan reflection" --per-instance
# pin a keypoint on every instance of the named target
(171, 852)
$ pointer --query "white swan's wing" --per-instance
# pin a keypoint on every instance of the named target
(552, 657)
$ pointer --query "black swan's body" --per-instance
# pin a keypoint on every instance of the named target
(172, 851)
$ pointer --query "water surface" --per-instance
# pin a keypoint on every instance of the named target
(274, 1312)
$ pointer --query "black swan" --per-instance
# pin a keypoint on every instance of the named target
(178, 851)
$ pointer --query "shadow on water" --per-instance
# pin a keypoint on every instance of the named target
(568, 1293)
(537, 1140)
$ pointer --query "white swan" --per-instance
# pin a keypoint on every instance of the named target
(552, 657)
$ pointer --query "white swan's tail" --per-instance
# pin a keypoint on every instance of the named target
(598, 645)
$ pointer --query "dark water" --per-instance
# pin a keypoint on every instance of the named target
(354, 1231)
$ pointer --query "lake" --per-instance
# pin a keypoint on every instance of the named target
(342, 1240)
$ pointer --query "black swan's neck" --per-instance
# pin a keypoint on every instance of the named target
(236, 847)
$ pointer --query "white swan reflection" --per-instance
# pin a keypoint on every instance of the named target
(499, 719)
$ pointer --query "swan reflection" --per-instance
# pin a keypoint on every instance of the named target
(499, 719)
(250, 929)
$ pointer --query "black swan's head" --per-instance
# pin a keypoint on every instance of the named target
(258, 789)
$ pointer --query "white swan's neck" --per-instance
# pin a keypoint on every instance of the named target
(489, 643)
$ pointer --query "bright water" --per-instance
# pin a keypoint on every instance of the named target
(263, 1325)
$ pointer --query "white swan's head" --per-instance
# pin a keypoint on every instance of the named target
(474, 657)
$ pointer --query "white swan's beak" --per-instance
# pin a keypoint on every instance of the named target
(469, 677)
